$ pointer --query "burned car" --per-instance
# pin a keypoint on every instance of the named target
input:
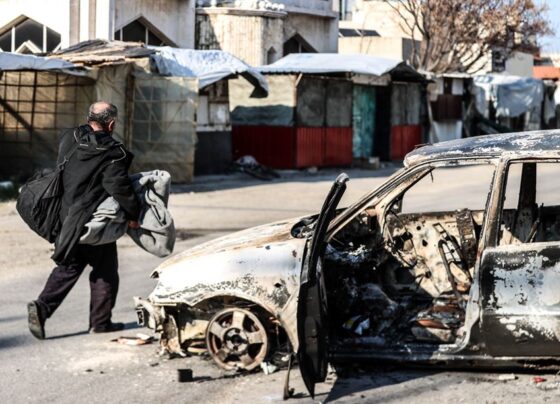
(455, 259)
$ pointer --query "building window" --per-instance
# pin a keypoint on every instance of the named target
(139, 31)
(29, 36)
(297, 44)
(271, 56)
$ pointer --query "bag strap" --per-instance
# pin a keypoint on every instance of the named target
(69, 154)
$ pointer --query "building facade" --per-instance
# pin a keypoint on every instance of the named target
(261, 32)
(375, 27)
(37, 26)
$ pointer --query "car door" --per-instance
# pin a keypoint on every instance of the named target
(312, 303)
(520, 272)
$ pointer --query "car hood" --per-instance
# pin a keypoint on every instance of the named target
(261, 264)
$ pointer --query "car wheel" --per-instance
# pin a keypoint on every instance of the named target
(236, 339)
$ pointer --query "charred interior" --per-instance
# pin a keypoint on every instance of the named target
(403, 275)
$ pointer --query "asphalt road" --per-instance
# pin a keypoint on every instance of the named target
(73, 366)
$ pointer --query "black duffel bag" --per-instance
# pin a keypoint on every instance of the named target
(40, 199)
(39, 203)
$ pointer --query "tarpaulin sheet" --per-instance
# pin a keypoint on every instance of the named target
(278, 109)
(209, 66)
(317, 63)
(13, 61)
(510, 95)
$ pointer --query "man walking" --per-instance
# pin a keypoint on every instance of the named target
(96, 167)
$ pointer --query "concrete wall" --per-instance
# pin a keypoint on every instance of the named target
(80, 20)
(174, 18)
(251, 34)
(327, 8)
(246, 34)
(520, 64)
(321, 33)
(320, 8)
(517, 64)
(394, 47)
(376, 15)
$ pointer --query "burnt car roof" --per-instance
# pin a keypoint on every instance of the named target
(532, 143)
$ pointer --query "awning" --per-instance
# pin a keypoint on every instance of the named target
(325, 63)
(209, 66)
(13, 61)
(510, 95)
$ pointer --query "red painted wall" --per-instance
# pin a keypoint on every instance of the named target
(404, 139)
(294, 147)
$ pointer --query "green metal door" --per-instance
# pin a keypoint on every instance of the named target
(363, 121)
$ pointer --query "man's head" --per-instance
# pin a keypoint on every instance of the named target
(102, 116)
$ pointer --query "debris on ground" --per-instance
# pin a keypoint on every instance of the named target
(139, 339)
(492, 379)
(507, 377)
(268, 368)
(184, 375)
(538, 379)
(197, 349)
(250, 165)
(357, 324)
(548, 386)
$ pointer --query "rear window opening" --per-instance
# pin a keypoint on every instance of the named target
(404, 274)
(531, 204)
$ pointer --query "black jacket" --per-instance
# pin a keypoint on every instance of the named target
(97, 167)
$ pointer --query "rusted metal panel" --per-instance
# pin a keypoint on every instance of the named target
(404, 138)
(310, 147)
(338, 146)
(519, 285)
(287, 147)
(273, 146)
(538, 143)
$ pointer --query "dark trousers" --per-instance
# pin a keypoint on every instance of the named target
(103, 281)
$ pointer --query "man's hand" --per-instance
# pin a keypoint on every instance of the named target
(133, 224)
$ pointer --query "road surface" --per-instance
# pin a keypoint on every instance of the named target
(73, 366)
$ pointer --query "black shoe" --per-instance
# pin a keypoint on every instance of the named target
(111, 327)
(35, 320)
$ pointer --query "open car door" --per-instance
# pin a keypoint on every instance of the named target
(312, 303)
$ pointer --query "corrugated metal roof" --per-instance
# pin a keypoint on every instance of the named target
(209, 66)
(325, 63)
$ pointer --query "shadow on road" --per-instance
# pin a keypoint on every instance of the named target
(360, 383)
(127, 326)
(11, 318)
(68, 335)
(10, 342)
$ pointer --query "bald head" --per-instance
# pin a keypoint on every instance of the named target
(102, 116)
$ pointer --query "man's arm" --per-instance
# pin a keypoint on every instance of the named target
(117, 184)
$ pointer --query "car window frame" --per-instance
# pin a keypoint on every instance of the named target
(493, 240)
(385, 192)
